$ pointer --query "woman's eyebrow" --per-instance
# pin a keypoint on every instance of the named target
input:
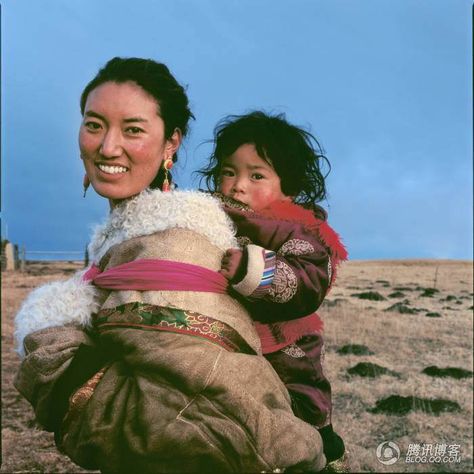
(91, 113)
(135, 119)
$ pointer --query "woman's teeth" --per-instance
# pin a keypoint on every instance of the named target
(112, 169)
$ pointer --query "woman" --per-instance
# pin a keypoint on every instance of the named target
(154, 368)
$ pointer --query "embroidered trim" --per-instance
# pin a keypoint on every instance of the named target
(232, 203)
(294, 351)
(79, 398)
(296, 247)
(329, 271)
(162, 318)
(269, 270)
(243, 241)
(268, 274)
(284, 283)
(78, 401)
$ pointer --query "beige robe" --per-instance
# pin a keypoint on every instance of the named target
(168, 402)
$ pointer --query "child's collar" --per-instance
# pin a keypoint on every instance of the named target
(280, 208)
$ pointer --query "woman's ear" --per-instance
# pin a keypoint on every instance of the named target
(173, 143)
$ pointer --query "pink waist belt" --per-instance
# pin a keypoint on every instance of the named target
(156, 274)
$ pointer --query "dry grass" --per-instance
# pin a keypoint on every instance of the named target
(405, 343)
(25, 448)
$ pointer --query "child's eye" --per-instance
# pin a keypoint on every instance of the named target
(257, 176)
(134, 130)
(227, 172)
(92, 126)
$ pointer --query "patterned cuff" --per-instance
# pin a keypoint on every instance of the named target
(260, 272)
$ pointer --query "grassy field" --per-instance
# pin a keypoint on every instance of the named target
(385, 323)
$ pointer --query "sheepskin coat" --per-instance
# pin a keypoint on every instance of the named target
(122, 397)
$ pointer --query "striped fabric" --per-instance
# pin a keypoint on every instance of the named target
(269, 258)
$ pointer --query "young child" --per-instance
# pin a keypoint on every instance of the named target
(268, 176)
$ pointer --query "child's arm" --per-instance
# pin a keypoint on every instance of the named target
(295, 278)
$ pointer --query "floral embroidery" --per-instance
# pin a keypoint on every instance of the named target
(294, 351)
(284, 283)
(296, 247)
(152, 317)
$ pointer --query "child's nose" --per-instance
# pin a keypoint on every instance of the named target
(239, 185)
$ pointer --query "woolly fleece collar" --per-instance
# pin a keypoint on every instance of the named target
(154, 211)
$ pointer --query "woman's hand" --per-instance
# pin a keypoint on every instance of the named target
(231, 265)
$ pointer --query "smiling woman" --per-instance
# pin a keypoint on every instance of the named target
(124, 138)
(145, 362)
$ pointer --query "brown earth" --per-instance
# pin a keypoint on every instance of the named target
(400, 342)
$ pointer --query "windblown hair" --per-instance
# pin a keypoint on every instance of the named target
(155, 79)
(294, 153)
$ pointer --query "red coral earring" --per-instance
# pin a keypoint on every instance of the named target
(167, 165)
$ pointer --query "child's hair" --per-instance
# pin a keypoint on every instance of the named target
(294, 153)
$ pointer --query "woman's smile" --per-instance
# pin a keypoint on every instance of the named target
(112, 169)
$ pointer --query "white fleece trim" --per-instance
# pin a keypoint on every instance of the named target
(255, 268)
(55, 304)
(154, 211)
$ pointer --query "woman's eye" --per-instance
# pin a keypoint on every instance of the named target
(134, 130)
(93, 126)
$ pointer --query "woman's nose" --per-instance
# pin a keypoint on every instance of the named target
(111, 145)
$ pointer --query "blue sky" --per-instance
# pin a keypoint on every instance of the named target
(385, 85)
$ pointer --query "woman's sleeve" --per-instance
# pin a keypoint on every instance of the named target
(50, 331)
(58, 303)
(43, 376)
(296, 276)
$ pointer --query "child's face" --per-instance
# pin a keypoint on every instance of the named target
(247, 178)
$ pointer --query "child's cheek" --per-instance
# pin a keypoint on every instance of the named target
(224, 187)
(261, 199)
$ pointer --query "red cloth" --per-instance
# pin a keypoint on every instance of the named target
(276, 336)
(156, 274)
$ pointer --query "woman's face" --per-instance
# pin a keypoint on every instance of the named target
(122, 140)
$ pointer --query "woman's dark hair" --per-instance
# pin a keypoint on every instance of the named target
(294, 153)
(155, 79)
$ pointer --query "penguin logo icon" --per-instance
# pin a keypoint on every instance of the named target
(388, 453)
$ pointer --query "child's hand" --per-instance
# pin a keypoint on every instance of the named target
(231, 262)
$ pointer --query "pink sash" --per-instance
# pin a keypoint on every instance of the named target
(156, 274)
